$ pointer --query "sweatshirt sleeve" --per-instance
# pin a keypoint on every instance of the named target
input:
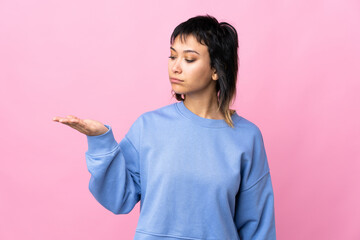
(115, 169)
(254, 211)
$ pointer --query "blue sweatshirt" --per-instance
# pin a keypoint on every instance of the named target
(196, 178)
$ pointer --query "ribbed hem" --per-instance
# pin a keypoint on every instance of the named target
(101, 144)
(142, 235)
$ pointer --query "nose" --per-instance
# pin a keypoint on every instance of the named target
(176, 68)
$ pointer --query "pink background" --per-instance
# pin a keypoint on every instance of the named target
(107, 60)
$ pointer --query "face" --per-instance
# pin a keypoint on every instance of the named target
(190, 62)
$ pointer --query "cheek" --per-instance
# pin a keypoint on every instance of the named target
(200, 71)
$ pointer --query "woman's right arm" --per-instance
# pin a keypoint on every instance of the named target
(114, 168)
(113, 184)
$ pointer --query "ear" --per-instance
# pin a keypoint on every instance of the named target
(214, 75)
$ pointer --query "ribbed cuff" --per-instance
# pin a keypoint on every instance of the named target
(103, 143)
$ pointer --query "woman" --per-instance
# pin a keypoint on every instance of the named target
(199, 169)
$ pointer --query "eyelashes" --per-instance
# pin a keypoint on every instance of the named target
(187, 60)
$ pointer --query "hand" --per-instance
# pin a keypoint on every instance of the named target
(85, 126)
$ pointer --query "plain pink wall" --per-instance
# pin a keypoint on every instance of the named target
(107, 60)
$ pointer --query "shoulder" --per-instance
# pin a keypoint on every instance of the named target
(158, 113)
(249, 133)
(149, 121)
(250, 127)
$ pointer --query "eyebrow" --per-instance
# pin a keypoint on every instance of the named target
(186, 50)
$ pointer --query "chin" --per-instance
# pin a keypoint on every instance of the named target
(178, 90)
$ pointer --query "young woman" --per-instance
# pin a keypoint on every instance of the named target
(199, 169)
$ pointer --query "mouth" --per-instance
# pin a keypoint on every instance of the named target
(175, 80)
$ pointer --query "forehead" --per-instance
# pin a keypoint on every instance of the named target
(188, 42)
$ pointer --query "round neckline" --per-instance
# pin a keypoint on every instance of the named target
(207, 122)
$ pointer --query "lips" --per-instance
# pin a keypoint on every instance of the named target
(175, 80)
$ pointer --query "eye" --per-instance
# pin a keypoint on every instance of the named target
(187, 60)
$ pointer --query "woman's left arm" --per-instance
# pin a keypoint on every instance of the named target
(254, 212)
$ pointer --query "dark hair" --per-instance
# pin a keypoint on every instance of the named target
(222, 42)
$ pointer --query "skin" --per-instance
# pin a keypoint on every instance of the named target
(86, 126)
(199, 79)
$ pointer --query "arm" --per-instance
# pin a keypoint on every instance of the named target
(254, 214)
(114, 168)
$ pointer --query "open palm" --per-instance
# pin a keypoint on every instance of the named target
(86, 126)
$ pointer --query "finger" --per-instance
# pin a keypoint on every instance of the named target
(71, 116)
(64, 120)
(70, 121)
(56, 118)
(60, 119)
(72, 126)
